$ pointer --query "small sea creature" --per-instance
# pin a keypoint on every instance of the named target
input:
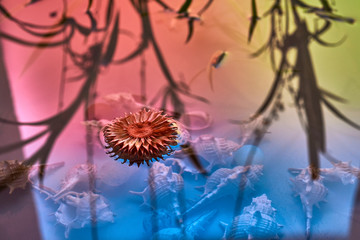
(15, 174)
(164, 188)
(215, 62)
(76, 176)
(75, 211)
(226, 181)
(311, 192)
(216, 151)
(196, 120)
(257, 221)
(190, 231)
(141, 137)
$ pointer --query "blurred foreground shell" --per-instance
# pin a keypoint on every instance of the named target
(14, 174)
(257, 221)
(141, 137)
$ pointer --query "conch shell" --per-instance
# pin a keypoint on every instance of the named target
(15, 174)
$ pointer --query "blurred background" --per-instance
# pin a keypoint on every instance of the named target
(74, 69)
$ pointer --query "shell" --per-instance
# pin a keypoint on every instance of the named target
(181, 165)
(311, 192)
(190, 230)
(183, 135)
(75, 177)
(261, 204)
(164, 189)
(190, 120)
(216, 151)
(14, 174)
(75, 210)
(226, 181)
(257, 221)
(123, 101)
(341, 171)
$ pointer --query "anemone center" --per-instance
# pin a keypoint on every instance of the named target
(140, 130)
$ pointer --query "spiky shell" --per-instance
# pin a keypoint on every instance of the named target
(75, 210)
(225, 181)
(163, 183)
(183, 134)
(164, 190)
(75, 177)
(248, 226)
(140, 137)
(261, 204)
(14, 174)
(233, 177)
(216, 178)
(342, 171)
(215, 150)
(257, 221)
(311, 192)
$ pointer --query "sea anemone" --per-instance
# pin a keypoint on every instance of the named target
(141, 137)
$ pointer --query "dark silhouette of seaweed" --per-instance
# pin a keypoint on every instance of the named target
(308, 96)
(19, 206)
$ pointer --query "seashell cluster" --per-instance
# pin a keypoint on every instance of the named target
(257, 221)
(141, 137)
(226, 181)
(75, 211)
(311, 192)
